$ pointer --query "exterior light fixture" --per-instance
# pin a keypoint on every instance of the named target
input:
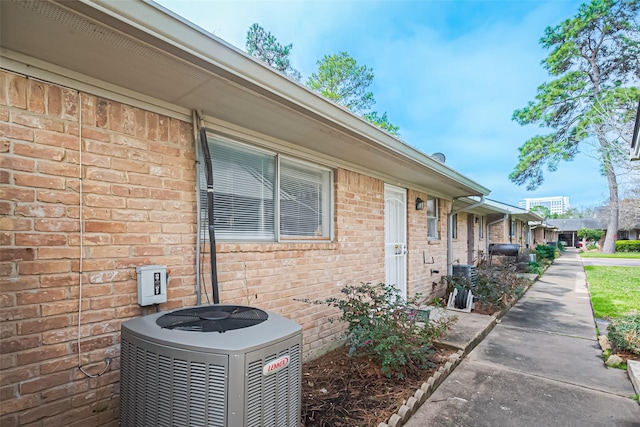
(419, 204)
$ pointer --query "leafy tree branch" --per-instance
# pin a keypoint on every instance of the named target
(595, 61)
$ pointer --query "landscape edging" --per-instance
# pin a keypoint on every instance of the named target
(421, 395)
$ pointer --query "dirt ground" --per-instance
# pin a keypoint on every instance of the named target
(627, 355)
(343, 391)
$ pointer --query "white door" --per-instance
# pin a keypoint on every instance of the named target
(395, 237)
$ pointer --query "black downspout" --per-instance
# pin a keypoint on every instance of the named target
(212, 236)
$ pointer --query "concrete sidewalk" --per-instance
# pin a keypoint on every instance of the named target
(540, 366)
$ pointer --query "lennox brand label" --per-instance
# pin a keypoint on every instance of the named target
(275, 365)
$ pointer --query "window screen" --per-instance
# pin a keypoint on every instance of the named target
(304, 200)
(243, 183)
(253, 188)
(432, 218)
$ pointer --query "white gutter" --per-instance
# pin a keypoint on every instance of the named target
(450, 231)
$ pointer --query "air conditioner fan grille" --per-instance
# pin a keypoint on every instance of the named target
(213, 318)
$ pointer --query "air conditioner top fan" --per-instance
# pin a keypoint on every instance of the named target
(186, 328)
(214, 318)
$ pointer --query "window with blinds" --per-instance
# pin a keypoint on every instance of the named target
(432, 218)
(304, 204)
(244, 180)
(260, 195)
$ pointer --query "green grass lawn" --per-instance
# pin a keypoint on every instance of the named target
(614, 290)
(633, 255)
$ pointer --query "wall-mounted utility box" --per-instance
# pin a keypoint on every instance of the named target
(152, 284)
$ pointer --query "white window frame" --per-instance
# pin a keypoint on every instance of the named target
(480, 227)
(433, 219)
(325, 235)
(325, 232)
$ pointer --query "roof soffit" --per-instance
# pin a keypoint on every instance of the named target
(145, 49)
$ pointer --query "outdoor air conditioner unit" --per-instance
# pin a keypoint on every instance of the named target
(217, 365)
(466, 271)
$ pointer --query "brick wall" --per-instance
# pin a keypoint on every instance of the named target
(521, 234)
(425, 256)
(498, 232)
(275, 276)
(138, 207)
(540, 237)
(460, 246)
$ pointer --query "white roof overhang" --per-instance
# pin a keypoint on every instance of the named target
(153, 54)
(491, 207)
(484, 209)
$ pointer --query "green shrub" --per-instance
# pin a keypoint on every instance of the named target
(628, 246)
(386, 328)
(590, 234)
(545, 252)
(561, 247)
(624, 333)
(535, 268)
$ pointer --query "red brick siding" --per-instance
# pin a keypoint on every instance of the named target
(426, 255)
(497, 233)
(273, 276)
(460, 247)
(138, 208)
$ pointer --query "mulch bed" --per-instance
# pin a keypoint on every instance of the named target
(343, 391)
(627, 355)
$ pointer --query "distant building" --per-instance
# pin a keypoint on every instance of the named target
(558, 204)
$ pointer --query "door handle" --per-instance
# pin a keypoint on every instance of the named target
(400, 249)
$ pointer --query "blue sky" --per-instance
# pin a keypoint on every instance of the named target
(448, 73)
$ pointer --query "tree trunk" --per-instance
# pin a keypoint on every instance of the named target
(609, 245)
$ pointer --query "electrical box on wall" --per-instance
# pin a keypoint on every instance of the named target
(152, 284)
